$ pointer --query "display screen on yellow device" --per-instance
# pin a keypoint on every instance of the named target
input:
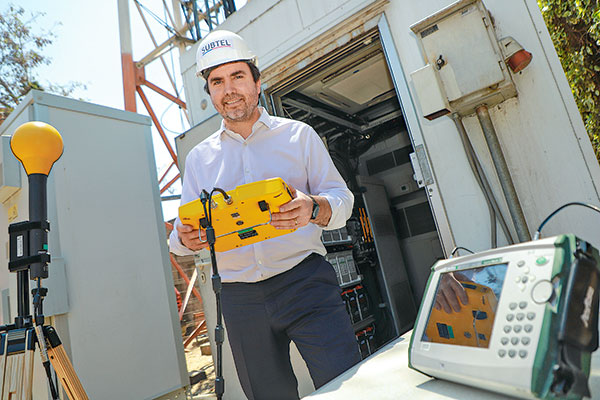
(245, 218)
(452, 321)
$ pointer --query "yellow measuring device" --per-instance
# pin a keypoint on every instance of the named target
(244, 218)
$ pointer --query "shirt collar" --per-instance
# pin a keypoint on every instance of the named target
(265, 119)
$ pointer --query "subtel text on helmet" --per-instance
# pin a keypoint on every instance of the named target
(217, 44)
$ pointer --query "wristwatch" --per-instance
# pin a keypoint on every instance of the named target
(315, 210)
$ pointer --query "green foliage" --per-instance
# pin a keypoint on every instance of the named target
(575, 29)
(20, 54)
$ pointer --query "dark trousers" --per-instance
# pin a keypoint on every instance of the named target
(304, 305)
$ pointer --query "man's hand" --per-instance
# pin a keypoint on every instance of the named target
(190, 237)
(295, 213)
(449, 293)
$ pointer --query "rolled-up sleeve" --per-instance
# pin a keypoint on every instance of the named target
(325, 180)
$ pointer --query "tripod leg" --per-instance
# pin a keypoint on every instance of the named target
(39, 331)
(17, 364)
(63, 367)
(27, 371)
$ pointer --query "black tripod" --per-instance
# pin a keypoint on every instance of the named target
(206, 223)
(37, 146)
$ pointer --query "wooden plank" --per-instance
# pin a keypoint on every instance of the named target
(188, 292)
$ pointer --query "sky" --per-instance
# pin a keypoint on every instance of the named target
(86, 49)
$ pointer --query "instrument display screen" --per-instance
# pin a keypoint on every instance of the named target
(465, 304)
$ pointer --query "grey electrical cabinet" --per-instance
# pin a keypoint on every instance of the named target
(111, 294)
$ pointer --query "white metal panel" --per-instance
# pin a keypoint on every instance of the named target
(14, 209)
(455, 187)
(410, 111)
(312, 11)
(198, 101)
(471, 61)
(281, 22)
(121, 328)
(540, 131)
(10, 171)
(273, 30)
(185, 142)
(432, 98)
(543, 136)
(564, 90)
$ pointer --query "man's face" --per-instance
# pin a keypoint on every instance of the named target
(233, 91)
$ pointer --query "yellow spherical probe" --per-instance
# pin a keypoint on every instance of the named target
(37, 145)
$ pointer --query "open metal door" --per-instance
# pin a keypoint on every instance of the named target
(415, 133)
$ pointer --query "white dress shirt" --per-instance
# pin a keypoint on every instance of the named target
(277, 147)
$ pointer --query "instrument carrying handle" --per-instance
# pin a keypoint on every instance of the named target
(579, 326)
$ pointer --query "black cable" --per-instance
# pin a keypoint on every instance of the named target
(459, 248)
(574, 203)
(224, 193)
(38, 297)
(205, 197)
(226, 197)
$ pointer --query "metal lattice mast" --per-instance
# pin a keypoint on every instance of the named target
(199, 18)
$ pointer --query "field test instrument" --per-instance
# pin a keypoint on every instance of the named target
(241, 216)
(37, 145)
(237, 218)
(529, 326)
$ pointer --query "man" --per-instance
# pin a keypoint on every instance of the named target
(279, 289)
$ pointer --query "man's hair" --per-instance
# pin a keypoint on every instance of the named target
(253, 69)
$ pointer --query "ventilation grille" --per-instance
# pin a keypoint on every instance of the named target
(389, 160)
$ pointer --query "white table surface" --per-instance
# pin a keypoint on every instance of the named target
(385, 375)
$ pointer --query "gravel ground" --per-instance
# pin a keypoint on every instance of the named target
(197, 362)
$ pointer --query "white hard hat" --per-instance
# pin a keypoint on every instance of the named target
(221, 47)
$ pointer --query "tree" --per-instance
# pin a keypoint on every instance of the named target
(20, 54)
(575, 30)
